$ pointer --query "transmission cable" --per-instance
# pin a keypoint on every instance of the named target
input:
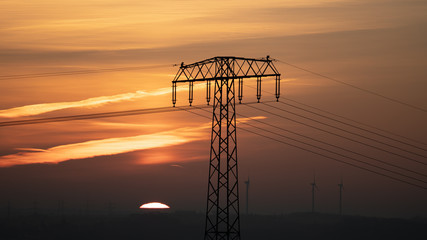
(351, 139)
(338, 135)
(356, 134)
(351, 125)
(320, 154)
(93, 116)
(354, 121)
(329, 151)
(100, 115)
(76, 72)
(341, 148)
(356, 87)
(348, 119)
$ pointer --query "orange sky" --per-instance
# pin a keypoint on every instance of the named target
(76, 25)
(378, 45)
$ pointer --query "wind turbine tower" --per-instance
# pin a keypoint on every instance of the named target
(313, 187)
(247, 196)
(341, 186)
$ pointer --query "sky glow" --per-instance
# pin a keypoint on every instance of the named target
(378, 45)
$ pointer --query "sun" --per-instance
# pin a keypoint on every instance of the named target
(154, 205)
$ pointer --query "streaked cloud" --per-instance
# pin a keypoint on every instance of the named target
(122, 125)
(36, 109)
(30, 149)
(112, 146)
(150, 24)
(177, 165)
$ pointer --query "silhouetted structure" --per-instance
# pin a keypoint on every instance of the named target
(247, 196)
(313, 186)
(222, 211)
(341, 186)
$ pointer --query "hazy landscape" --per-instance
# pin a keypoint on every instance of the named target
(190, 225)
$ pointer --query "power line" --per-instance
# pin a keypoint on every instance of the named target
(144, 111)
(148, 111)
(348, 119)
(351, 125)
(335, 159)
(358, 122)
(339, 154)
(168, 109)
(341, 148)
(100, 115)
(158, 110)
(347, 131)
(92, 116)
(369, 145)
(321, 154)
(356, 87)
(77, 72)
(341, 136)
(327, 150)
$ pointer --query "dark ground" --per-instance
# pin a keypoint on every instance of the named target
(189, 225)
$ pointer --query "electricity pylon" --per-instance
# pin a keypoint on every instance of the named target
(222, 210)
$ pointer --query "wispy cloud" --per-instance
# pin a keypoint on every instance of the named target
(136, 24)
(36, 109)
(30, 149)
(177, 165)
(110, 146)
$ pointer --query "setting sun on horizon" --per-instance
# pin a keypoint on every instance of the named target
(154, 205)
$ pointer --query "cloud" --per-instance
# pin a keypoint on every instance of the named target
(177, 165)
(36, 109)
(30, 149)
(111, 146)
(137, 24)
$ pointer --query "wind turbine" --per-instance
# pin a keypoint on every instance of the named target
(247, 196)
(341, 186)
(313, 186)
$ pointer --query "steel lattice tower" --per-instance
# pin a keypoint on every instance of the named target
(222, 211)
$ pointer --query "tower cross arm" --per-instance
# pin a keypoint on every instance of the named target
(234, 67)
(217, 78)
(225, 68)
